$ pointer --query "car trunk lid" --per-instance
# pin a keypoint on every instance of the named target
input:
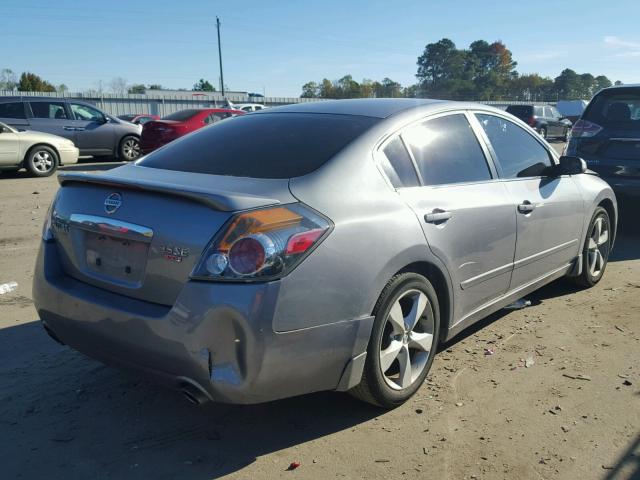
(140, 231)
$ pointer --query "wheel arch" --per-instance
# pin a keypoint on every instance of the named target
(608, 205)
(439, 278)
(39, 144)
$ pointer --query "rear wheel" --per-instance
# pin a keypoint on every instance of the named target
(403, 341)
(41, 161)
(129, 148)
(596, 249)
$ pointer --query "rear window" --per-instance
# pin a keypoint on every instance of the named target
(12, 110)
(618, 108)
(520, 111)
(182, 115)
(277, 145)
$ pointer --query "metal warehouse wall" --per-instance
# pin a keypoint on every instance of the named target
(117, 104)
(162, 105)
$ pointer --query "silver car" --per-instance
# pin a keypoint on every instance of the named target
(335, 250)
(39, 153)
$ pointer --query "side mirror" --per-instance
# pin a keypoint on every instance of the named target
(103, 120)
(571, 165)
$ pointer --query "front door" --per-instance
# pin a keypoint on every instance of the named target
(466, 214)
(95, 134)
(548, 208)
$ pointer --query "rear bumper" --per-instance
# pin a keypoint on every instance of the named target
(218, 337)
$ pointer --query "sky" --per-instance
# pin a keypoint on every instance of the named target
(275, 47)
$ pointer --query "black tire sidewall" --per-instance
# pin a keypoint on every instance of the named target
(384, 394)
(587, 278)
(32, 169)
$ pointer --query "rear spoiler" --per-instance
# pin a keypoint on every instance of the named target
(217, 200)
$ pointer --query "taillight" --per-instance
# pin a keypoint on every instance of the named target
(531, 121)
(585, 128)
(262, 244)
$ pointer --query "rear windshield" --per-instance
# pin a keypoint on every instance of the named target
(618, 108)
(520, 111)
(271, 145)
(181, 115)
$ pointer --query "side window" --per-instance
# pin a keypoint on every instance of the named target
(48, 110)
(555, 112)
(397, 165)
(548, 112)
(446, 150)
(86, 113)
(518, 152)
(12, 110)
(143, 120)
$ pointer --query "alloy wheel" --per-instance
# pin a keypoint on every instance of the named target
(598, 247)
(42, 161)
(131, 148)
(407, 340)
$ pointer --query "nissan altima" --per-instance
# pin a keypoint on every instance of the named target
(321, 246)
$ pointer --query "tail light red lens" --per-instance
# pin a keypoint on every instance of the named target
(262, 244)
(531, 121)
(585, 128)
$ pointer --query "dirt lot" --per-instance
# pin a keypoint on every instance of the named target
(480, 416)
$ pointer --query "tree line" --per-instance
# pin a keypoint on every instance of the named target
(30, 82)
(483, 71)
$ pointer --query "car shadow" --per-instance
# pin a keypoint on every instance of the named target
(66, 416)
(91, 167)
(627, 245)
(628, 465)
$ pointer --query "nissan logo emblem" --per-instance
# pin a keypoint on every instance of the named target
(112, 203)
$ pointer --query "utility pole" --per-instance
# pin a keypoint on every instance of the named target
(220, 57)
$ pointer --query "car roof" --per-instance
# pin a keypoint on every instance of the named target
(368, 107)
(29, 98)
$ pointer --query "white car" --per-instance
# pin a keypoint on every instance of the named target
(38, 152)
(249, 107)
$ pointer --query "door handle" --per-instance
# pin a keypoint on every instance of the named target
(437, 216)
(69, 129)
(80, 129)
(526, 207)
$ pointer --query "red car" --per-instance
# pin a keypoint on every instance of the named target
(160, 132)
(139, 118)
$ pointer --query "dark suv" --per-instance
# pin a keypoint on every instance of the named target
(544, 119)
(93, 131)
(607, 136)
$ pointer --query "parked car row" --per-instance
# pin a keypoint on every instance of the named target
(94, 132)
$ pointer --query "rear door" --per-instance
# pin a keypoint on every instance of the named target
(95, 134)
(549, 209)
(466, 215)
(555, 126)
(52, 116)
(14, 114)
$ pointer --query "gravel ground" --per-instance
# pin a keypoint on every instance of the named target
(559, 397)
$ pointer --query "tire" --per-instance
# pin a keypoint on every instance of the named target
(129, 148)
(41, 161)
(393, 341)
(596, 249)
(543, 132)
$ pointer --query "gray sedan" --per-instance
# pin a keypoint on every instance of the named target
(334, 251)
